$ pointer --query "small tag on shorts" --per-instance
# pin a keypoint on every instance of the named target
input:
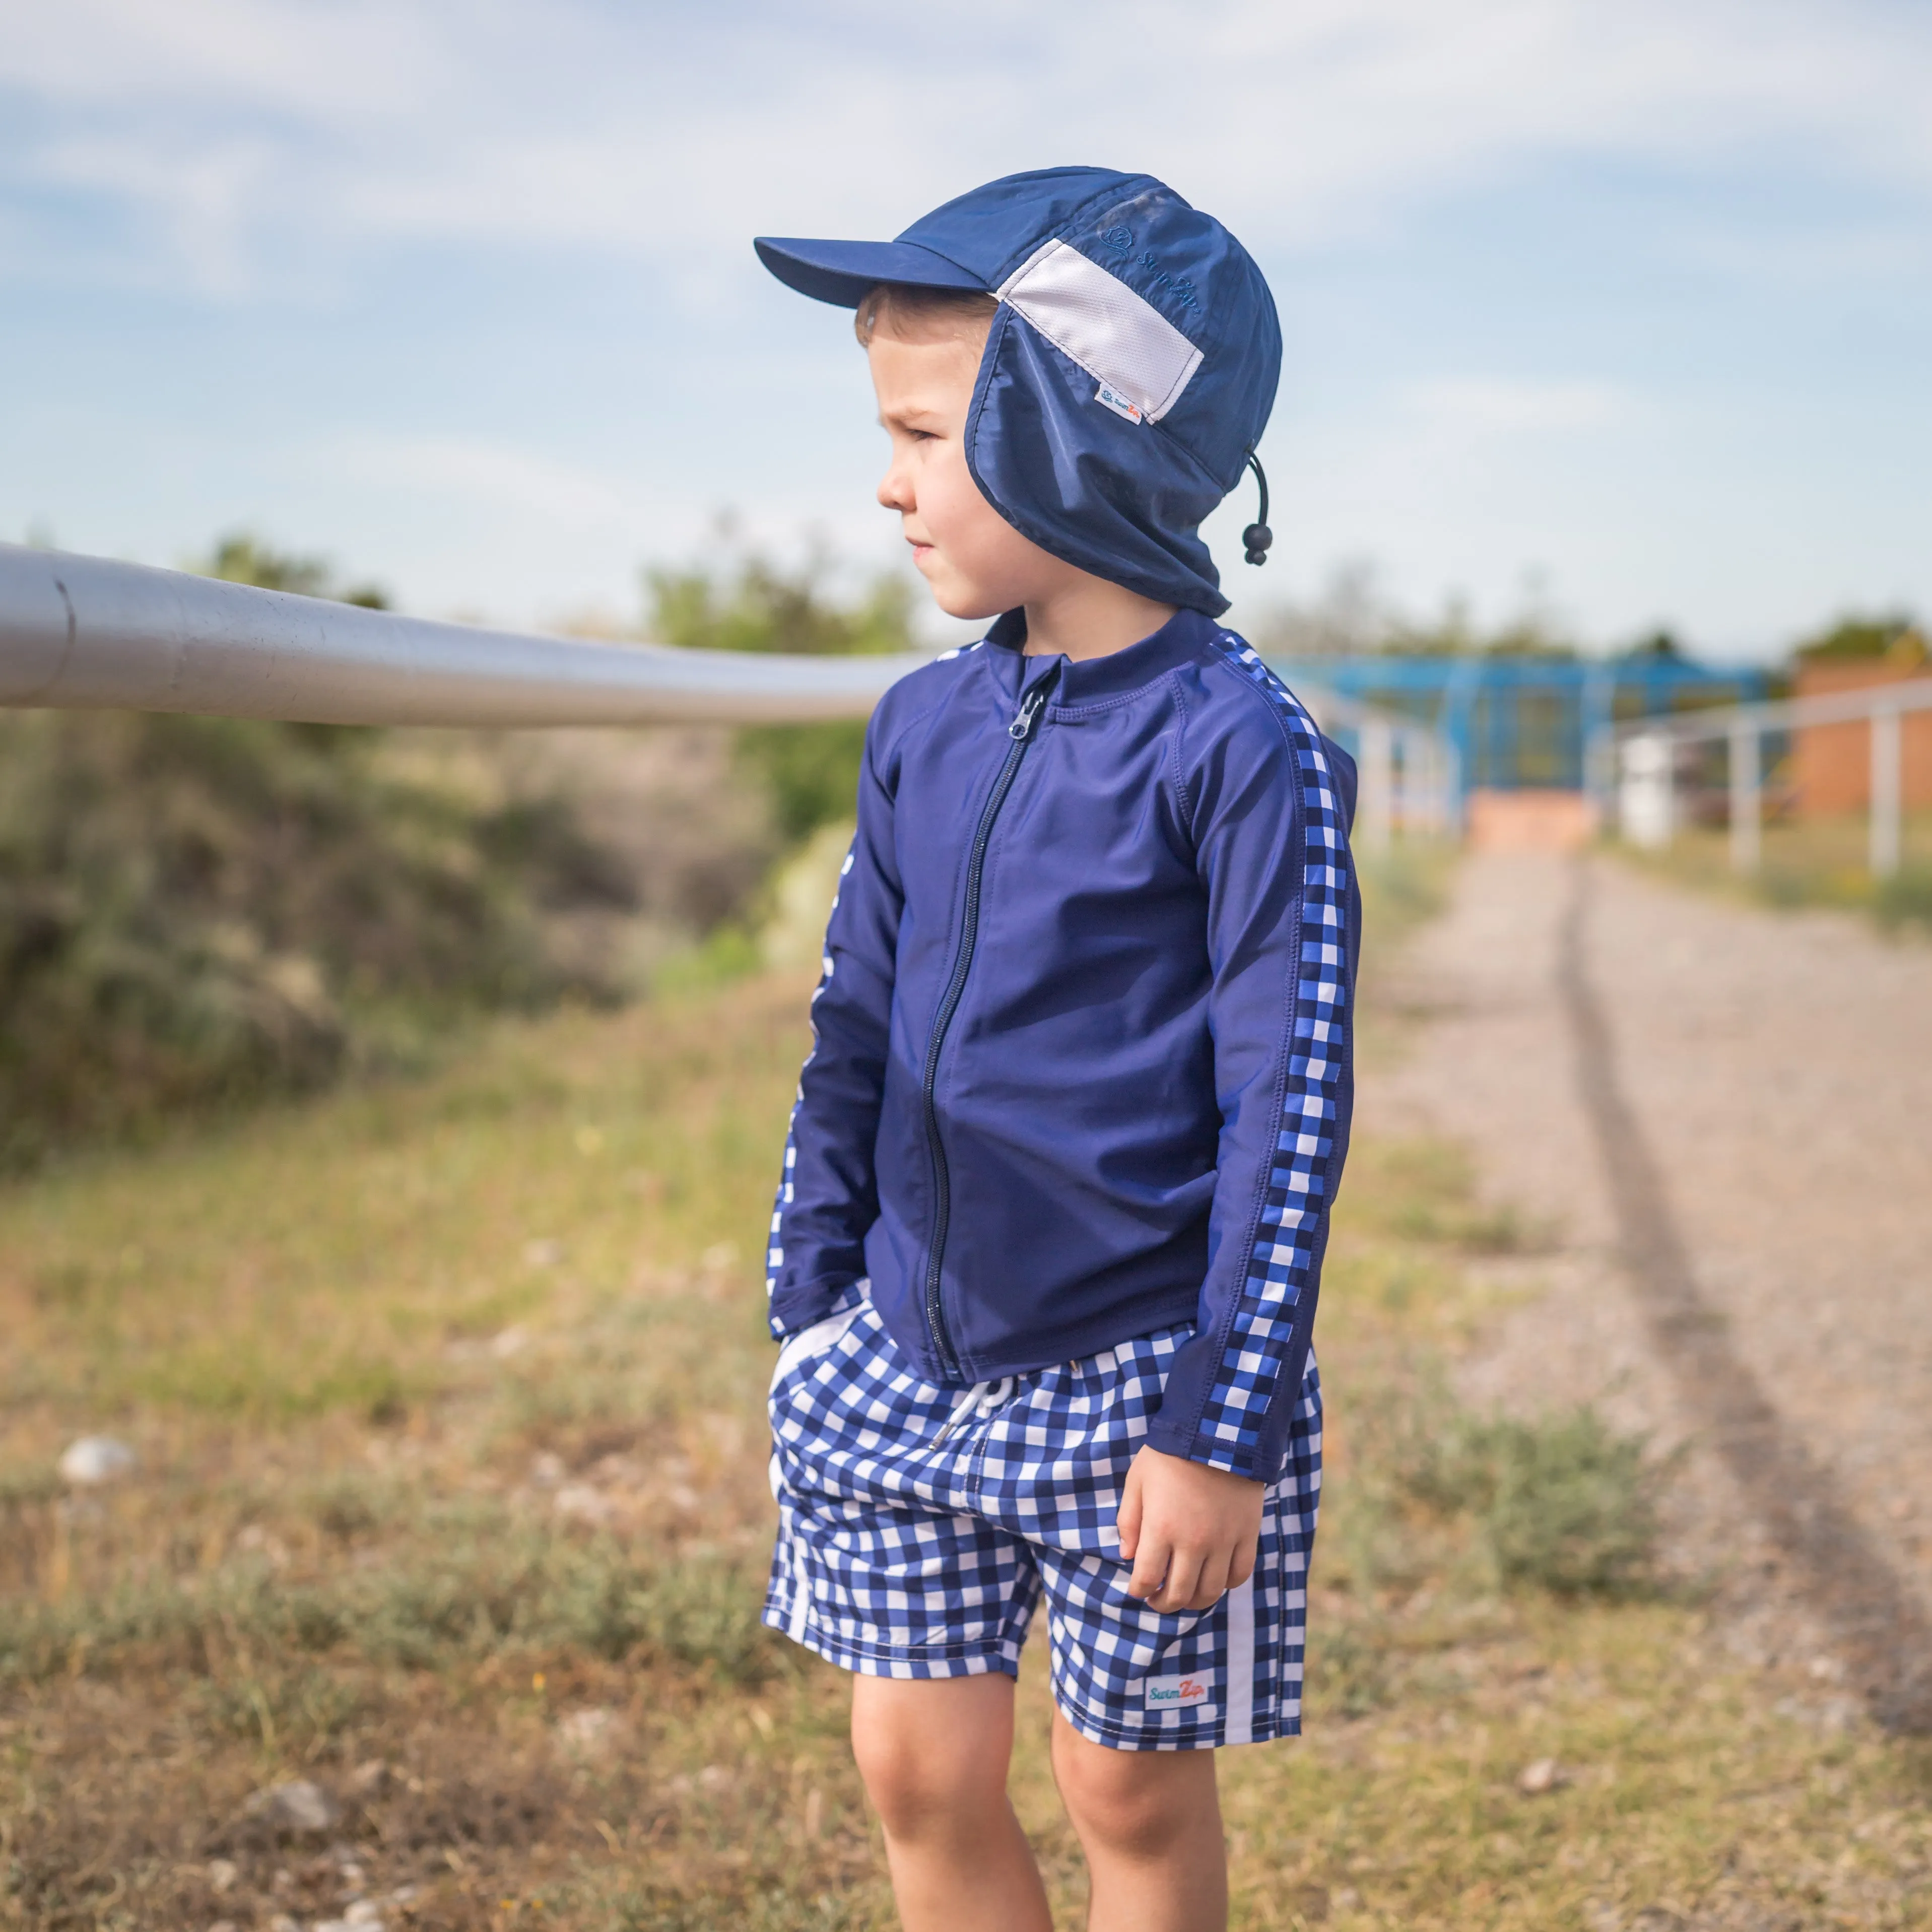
(1163, 1692)
(1112, 398)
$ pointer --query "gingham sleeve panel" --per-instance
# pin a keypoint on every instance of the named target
(1272, 809)
(827, 1194)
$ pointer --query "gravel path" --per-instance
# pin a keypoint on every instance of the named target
(1770, 1084)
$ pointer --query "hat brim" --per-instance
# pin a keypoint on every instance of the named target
(841, 272)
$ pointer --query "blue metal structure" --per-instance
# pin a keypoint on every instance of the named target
(1522, 722)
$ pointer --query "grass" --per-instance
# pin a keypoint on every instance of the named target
(451, 1500)
(1817, 862)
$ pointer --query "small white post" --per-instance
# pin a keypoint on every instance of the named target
(1746, 799)
(1646, 808)
(1378, 783)
(1887, 800)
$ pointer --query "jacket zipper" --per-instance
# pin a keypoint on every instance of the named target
(1021, 731)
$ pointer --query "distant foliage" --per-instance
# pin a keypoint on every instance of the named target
(198, 912)
(1905, 899)
(1895, 636)
(203, 910)
(198, 909)
(749, 603)
(241, 557)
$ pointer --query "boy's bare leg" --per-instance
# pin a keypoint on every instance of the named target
(934, 1753)
(1150, 1823)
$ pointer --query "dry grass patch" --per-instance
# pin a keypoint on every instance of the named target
(450, 1504)
(1813, 861)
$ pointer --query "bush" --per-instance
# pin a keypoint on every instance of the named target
(1893, 635)
(1905, 899)
(809, 772)
(199, 910)
(1562, 1502)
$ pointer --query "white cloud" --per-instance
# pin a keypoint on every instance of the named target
(250, 151)
(500, 475)
(666, 134)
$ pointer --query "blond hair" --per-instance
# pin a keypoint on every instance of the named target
(916, 314)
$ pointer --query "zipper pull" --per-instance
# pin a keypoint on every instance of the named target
(1020, 729)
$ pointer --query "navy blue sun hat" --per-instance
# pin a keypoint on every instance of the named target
(1128, 375)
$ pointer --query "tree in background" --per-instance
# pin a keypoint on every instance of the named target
(1352, 616)
(197, 910)
(241, 558)
(1658, 646)
(1895, 636)
(750, 603)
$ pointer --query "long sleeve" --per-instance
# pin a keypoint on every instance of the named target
(828, 1194)
(1271, 816)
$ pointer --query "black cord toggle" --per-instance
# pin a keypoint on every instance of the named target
(1258, 536)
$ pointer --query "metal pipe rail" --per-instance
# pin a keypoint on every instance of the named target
(82, 633)
(1647, 765)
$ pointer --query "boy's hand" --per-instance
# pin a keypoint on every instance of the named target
(1189, 1530)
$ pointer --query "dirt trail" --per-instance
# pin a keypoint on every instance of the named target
(1727, 1115)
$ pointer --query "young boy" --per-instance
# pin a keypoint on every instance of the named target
(1047, 1246)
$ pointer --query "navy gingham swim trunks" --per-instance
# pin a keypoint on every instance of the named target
(920, 1526)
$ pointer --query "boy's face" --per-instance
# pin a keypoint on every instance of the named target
(976, 562)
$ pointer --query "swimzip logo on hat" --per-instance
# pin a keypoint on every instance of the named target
(1164, 1692)
(1117, 403)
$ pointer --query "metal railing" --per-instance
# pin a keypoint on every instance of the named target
(1647, 765)
(83, 633)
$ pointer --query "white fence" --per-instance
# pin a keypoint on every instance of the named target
(1647, 789)
(82, 633)
(1408, 774)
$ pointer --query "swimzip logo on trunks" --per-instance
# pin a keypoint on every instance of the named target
(1111, 397)
(1164, 1692)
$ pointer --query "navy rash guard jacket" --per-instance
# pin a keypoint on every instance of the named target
(1082, 1058)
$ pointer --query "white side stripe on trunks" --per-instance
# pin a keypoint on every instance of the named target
(1240, 1688)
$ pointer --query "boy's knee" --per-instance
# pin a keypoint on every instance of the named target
(908, 1788)
(1137, 1804)
(929, 1768)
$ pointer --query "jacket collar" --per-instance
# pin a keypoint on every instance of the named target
(1094, 680)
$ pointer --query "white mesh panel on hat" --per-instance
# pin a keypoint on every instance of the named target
(1116, 336)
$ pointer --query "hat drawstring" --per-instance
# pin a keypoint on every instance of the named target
(1258, 536)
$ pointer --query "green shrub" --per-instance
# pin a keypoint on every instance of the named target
(748, 603)
(1905, 899)
(1561, 1502)
(1862, 636)
(197, 910)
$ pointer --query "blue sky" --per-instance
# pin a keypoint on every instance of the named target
(1622, 310)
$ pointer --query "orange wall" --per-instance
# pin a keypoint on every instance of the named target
(1532, 820)
(1831, 764)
